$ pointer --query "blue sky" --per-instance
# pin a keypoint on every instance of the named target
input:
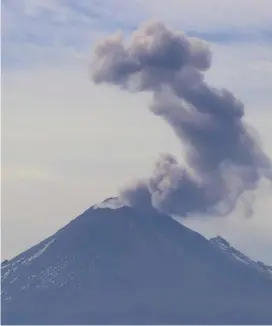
(59, 130)
(70, 25)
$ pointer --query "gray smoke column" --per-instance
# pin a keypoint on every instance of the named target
(224, 158)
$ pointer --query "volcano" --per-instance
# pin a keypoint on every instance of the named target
(115, 264)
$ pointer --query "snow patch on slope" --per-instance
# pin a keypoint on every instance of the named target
(38, 253)
(10, 267)
(224, 245)
(113, 203)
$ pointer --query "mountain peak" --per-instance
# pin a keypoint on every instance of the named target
(114, 264)
(111, 202)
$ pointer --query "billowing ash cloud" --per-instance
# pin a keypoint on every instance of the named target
(223, 157)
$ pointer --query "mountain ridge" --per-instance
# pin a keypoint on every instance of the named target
(225, 246)
(130, 266)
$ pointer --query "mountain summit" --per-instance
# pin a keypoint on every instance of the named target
(119, 265)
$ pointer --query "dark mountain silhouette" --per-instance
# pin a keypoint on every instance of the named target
(126, 266)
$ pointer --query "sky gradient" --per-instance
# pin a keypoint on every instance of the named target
(64, 147)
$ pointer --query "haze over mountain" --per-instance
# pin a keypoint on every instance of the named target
(120, 265)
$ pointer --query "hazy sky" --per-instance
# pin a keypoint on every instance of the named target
(67, 143)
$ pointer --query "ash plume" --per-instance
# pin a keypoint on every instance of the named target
(223, 157)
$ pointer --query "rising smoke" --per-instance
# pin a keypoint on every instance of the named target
(224, 158)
